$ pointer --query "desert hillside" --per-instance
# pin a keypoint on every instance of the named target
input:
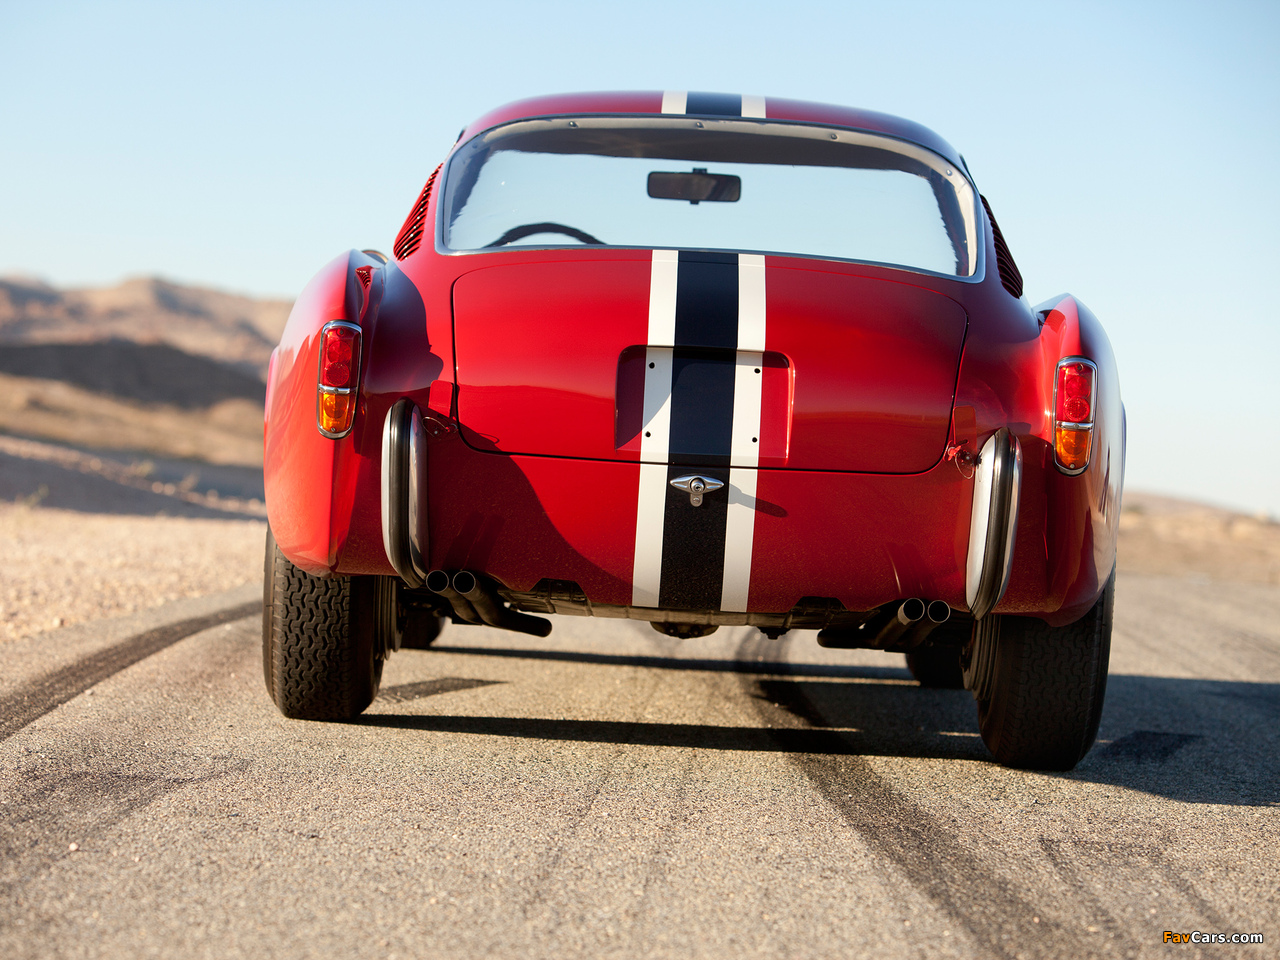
(235, 330)
(146, 366)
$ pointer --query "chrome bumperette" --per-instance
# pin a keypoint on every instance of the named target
(404, 520)
(417, 481)
(993, 523)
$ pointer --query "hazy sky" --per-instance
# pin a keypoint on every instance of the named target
(1120, 144)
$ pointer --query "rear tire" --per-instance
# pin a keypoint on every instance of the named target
(321, 653)
(422, 626)
(937, 668)
(1045, 687)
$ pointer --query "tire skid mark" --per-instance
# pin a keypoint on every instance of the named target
(1150, 864)
(44, 813)
(540, 877)
(34, 699)
(408, 692)
(988, 906)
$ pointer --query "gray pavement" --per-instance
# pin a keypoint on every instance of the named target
(610, 792)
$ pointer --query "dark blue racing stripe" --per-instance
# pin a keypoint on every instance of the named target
(714, 104)
(707, 300)
(702, 386)
(693, 544)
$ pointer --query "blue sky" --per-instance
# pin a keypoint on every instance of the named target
(1122, 145)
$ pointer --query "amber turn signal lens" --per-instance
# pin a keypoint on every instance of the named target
(1072, 446)
(336, 411)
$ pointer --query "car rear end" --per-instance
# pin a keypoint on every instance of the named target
(705, 369)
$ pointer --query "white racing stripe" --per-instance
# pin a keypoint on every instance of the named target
(738, 539)
(750, 301)
(655, 430)
(745, 447)
(673, 101)
(752, 106)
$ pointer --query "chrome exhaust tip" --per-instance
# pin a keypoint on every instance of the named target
(911, 611)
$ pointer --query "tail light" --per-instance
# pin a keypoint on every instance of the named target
(338, 378)
(1075, 394)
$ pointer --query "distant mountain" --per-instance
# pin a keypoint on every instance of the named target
(230, 329)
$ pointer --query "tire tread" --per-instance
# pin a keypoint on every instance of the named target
(315, 663)
(1048, 690)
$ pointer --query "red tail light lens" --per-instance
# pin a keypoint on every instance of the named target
(1074, 397)
(338, 377)
(1075, 391)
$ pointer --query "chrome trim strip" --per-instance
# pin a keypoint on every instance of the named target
(993, 522)
(396, 495)
(387, 506)
(417, 479)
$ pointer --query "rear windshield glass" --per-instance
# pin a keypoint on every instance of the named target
(707, 184)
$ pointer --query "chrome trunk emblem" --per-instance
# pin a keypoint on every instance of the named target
(696, 486)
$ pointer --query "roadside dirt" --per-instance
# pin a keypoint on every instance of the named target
(87, 535)
(1162, 535)
(66, 566)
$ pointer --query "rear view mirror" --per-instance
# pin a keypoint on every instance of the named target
(695, 187)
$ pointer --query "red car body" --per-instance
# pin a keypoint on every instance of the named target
(876, 390)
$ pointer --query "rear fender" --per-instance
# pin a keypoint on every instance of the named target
(1082, 513)
(310, 479)
(1064, 547)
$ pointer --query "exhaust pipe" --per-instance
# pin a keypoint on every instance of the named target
(438, 582)
(491, 610)
(910, 611)
(939, 612)
(879, 633)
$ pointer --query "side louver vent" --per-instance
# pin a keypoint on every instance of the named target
(410, 236)
(1009, 274)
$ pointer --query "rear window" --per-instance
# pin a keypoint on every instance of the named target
(705, 184)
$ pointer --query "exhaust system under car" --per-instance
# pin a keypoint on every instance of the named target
(898, 629)
(474, 601)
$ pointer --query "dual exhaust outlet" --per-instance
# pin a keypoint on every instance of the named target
(915, 610)
(474, 602)
(900, 629)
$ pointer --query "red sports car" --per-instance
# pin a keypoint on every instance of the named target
(700, 360)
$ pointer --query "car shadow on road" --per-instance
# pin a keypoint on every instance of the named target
(1193, 741)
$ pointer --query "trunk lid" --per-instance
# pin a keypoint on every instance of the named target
(758, 361)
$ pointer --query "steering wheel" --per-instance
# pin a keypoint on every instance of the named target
(529, 229)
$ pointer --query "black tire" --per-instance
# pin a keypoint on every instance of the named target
(1046, 687)
(936, 667)
(422, 626)
(321, 655)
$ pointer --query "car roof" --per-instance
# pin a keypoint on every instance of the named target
(713, 106)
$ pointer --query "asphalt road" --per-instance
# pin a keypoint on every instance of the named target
(612, 792)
